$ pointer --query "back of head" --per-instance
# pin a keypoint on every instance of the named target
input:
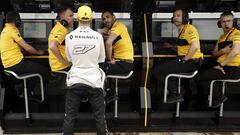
(12, 16)
(84, 14)
(62, 9)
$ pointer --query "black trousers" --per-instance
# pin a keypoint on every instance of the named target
(205, 77)
(120, 67)
(27, 66)
(74, 96)
(161, 70)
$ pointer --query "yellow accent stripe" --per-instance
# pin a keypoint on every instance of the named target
(135, 56)
(46, 56)
(147, 70)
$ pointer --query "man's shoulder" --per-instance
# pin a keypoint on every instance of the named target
(191, 29)
(190, 26)
(119, 24)
(59, 28)
(237, 32)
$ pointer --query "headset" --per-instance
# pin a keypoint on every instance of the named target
(18, 22)
(64, 22)
(227, 13)
(185, 16)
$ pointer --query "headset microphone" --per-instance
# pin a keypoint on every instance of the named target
(227, 27)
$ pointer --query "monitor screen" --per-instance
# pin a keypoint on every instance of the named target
(163, 29)
(207, 29)
(36, 30)
(127, 22)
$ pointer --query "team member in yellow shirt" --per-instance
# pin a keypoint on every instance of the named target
(118, 44)
(56, 40)
(11, 45)
(227, 52)
(119, 49)
(189, 55)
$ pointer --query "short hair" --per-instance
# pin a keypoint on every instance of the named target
(226, 13)
(12, 16)
(62, 9)
(108, 12)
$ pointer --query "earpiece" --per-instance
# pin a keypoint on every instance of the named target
(18, 22)
(64, 23)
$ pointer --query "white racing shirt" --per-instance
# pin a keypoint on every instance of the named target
(85, 49)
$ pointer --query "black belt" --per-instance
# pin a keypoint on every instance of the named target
(125, 60)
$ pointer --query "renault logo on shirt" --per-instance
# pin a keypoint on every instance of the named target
(82, 49)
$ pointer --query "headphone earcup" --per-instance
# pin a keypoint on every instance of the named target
(235, 23)
(172, 20)
(219, 24)
(185, 17)
(18, 22)
(64, 23)
(184, 20)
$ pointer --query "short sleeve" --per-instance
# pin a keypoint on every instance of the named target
(192, 35)
(16, 35)
(59, 36)
(117, 29)
(236, 37)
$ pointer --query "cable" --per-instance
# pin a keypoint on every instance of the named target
(147, 71)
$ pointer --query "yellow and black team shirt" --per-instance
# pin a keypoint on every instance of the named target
(187, 35)
(122, 46)
(228, 39)
(58, 33)
(10, 51)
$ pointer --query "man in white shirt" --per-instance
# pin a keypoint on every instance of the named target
(85, 50)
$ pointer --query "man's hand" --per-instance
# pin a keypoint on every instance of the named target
(104, 33)
(40, 52)
(219, 68)
(167, 45)
(112, 61)
(227, 49)
(65, 62)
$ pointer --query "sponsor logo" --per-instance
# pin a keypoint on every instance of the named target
(82, 49)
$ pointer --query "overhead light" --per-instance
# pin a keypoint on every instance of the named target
(166, 3)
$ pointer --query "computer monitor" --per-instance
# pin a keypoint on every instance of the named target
(163, 29)
(127, 22)
(36, 31)
(207, 29)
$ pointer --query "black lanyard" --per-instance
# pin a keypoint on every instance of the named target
(229, 34)
(181, 31)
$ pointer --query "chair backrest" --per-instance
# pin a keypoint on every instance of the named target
(9, 73)
(121, 76)
(61, 72)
